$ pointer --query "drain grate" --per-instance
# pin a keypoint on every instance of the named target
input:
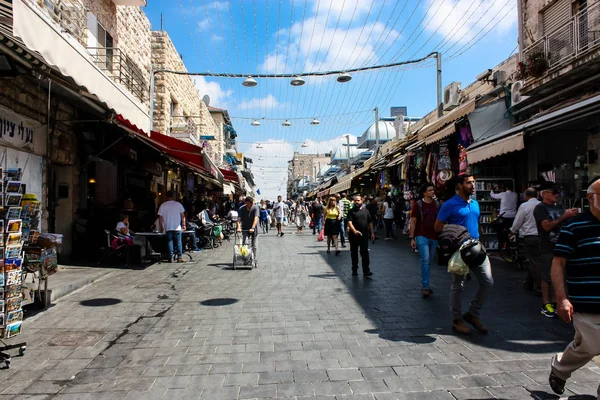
(76, 339)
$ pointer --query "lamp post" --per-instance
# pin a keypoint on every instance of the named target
(376, 129)
(440, 104)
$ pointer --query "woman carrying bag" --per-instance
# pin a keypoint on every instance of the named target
(333, 216)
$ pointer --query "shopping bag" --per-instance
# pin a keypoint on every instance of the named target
(321, 235)
(285, 221)
(311, 224)
(456, 264)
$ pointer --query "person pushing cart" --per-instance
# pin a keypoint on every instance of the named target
(249, 214)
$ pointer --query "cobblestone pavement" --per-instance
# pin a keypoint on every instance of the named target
(298, 327)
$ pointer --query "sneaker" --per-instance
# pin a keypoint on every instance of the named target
(343, 246)
(387, 239)
(337, 252)
(368, 274)
(557, 384)
(425, 293)
(197, 251)
(476, 322)
(282, 234)
(459, 326)
(548, 311)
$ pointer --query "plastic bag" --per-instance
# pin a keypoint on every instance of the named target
(456, 264)
(285, 221)
(321, 235)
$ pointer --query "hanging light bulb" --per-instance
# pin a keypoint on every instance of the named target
(250, 82)
(315, 122)
(287, 123)
(344, 77)
(304, 144)
(255, 123)
(259, 146)
(297, 81)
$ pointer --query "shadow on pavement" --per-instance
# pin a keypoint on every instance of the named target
(100, 302)
(219, 302)
(392, 301)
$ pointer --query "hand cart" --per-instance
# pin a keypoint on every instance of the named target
(242, 252)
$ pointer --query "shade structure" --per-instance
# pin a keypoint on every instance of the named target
(496, 148)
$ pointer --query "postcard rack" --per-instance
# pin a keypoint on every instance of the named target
(19, 212)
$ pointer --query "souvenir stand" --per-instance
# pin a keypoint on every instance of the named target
(11, 245)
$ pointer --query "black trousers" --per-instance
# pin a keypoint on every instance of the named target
(359, 243)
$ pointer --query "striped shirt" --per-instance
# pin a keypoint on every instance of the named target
(579, 243)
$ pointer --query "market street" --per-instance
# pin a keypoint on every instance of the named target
(300, 326)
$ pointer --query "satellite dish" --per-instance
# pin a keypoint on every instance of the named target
(206, 100)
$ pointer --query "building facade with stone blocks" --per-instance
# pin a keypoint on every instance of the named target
(117, 39)
(178, 108)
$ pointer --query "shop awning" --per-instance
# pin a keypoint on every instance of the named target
(451, 117)
(180, 152)
(416, 145)
(340, 187)
(72, 60)
(228, 189)
(323, 193)
(399, 159)
(496, 148)
(229, 175)
(445, 132)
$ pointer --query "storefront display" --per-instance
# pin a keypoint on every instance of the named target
(489, 208)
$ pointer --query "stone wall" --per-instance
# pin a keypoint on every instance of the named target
(134, 40)
(181, 90)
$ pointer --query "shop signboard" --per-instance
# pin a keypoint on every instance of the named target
(21, 133)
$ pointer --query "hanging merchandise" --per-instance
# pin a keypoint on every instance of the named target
(444, 160)
(465, 139)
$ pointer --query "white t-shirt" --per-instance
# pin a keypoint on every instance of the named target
(279, 212)
(388, 212)
(120, 226)
(171, 212)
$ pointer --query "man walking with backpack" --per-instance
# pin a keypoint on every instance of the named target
(423, 235)
(464, 211)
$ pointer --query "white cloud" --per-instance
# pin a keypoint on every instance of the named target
(319, 43)
(265, 103)
(218, 95)
(460, 21)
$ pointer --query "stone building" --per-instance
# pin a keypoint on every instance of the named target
(305, 168)
(178, 108)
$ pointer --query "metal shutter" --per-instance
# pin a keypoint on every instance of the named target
(556, 16)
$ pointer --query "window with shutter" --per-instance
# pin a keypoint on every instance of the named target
(556, 15)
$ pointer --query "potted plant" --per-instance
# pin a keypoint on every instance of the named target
(537, 64)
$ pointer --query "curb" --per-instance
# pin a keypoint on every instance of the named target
(59, 292)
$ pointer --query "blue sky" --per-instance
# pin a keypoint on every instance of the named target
(249, 37)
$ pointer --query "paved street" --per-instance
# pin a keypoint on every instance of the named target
(299, 327)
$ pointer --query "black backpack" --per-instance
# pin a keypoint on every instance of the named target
(450, 239)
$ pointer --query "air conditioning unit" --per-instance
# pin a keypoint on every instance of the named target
(452, 96)
(515, 93)
(499, 77)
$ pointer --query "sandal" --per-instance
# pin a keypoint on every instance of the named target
(557, 384)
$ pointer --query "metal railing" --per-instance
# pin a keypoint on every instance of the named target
(114, 63)
(578, 36)
(71, 15)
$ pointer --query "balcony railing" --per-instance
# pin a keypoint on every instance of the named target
(121, 69)
(71, 15)
(579, 36)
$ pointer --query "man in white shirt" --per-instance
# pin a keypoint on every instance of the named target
(280, 211)
(508, 204)
(171, 217)
(525, 224)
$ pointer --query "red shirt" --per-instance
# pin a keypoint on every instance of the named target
(425, 227)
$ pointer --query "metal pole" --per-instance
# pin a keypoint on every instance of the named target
(440, 104)
(50, 201)
(152, 77)
(348, 151)
(376, 129)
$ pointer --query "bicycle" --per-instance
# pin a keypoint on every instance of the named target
(508, 244)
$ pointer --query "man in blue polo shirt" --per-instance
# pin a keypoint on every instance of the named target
(577, 258)
(464, 211)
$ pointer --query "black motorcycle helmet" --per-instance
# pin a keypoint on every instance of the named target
(473, 253)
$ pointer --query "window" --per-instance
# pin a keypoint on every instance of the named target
(173, 108)
(99, 42)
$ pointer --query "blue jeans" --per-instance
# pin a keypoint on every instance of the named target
(174, 236)
(427, 248)
(317, 225)
(342, 232)
(483, 274)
